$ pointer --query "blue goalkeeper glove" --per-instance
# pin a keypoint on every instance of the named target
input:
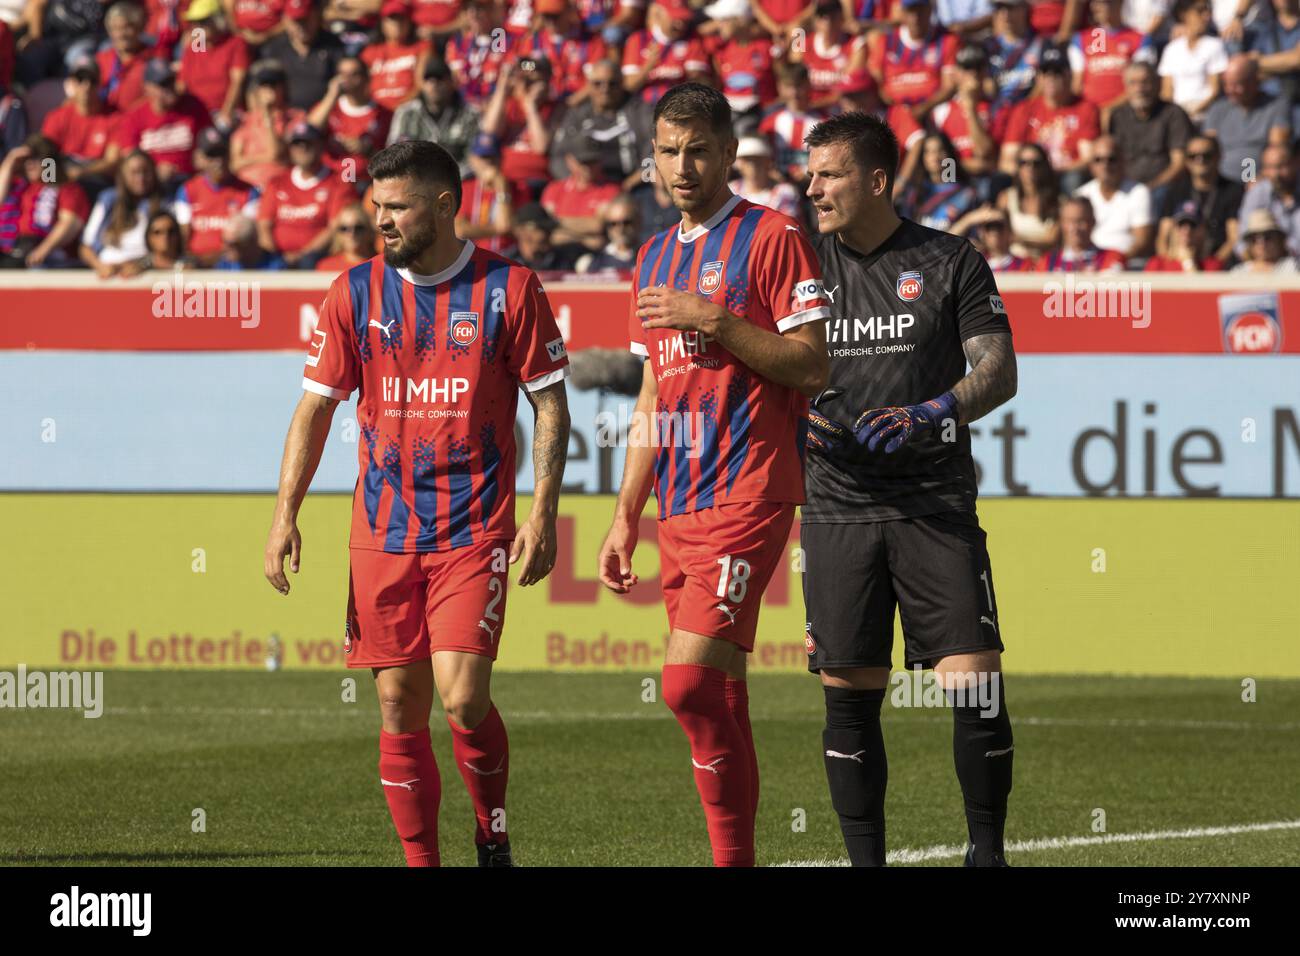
(825, 435)
(896, 425)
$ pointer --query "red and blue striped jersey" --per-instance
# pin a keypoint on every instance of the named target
(438, 361)
(722, 432)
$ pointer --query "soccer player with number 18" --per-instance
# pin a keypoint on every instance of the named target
(728, 311)
(890, 514)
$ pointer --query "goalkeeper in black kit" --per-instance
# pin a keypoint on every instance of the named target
(890, 516)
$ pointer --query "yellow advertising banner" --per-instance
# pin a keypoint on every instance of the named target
(1185, 587)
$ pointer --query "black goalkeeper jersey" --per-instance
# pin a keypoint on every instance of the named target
(899, 317)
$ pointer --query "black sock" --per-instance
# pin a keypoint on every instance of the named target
(854, 751)
(982, 751)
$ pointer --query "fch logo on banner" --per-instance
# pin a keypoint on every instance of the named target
(1251, 322)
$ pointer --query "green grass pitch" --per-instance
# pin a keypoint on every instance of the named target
(285, 772)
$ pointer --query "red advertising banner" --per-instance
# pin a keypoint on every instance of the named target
(1123, 313)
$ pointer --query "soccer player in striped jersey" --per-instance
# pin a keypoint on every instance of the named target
(728, 310)
(439, 336)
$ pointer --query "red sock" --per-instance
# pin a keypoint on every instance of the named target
(697, 697)
(409, 777)
(483, 758)
(737, 692)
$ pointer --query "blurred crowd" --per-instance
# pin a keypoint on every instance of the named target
(1058, 135)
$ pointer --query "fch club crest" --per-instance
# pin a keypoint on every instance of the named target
(910, 285)
(464, 327)
(711, 277)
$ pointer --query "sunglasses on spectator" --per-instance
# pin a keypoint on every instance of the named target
(625, 223)
(1200, 157)
(1107, 160)
(1264, 236)
(1030, 161)
(351, 227)
(163, 231)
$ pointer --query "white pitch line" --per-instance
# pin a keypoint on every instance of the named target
(1064, 843)
(652, 712)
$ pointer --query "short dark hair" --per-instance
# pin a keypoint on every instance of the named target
(419, 159)
(695, 102)
(872, 142)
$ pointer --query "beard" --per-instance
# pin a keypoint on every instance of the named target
(411, 247)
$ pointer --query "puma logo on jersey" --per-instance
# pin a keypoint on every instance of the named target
(857, 757)
(383, 328)
(731, 614)
(990, 622)
(711, 766)
(830, 294)
(405, 785)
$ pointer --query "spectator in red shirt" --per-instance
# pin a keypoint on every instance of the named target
(1077, 253)
(121, 66)
(1100, 53)
(1189, 243)
(82, 127)
(437, 20)
(353, 242)
(166, 126)
(52, 209)
(830, 53)
(560, 40)
(258, 152)
(780, 19)
(519, 115)
(742, 57)
(398, 59)
(665, 53)
(913, 64)
(355, 125)
(213, 63)
(966, 118)
(211, 199)
(294, 214)
(488, 200)
(576, 201)
(787, 126)
(1054, 119)
(256, 21)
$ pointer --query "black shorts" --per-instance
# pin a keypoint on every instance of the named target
(934, 568)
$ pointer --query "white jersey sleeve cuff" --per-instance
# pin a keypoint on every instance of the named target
(803, 318)
(638, 348)
(550, 378)
(317, 388)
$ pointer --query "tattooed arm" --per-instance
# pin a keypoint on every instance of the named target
(991, 379)
(535, 542)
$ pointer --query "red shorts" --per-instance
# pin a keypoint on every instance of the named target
(403, 607)
(715, 564)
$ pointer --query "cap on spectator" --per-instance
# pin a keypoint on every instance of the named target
(303, 132)
(856, 81)
(908, 4)
(828, 8)
(486, 146)
(751, 146)
(1010, 3)
(533, 214)
(972, 58)
(395, 8)
(586, 150)
(84, 67)
(266, 73)
(212, 143)
(437, 68)
(535, 64)
(202, 10)
(677, 9)
(728, 10)
(159, 72)
(1190, 211)
(298, 9)
(1053, 60)
(1261, 221)
(550, 7)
